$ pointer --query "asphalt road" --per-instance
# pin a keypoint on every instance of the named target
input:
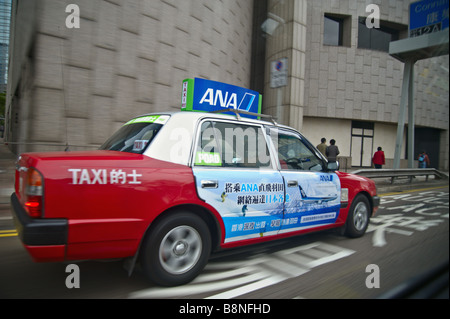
(408, 237)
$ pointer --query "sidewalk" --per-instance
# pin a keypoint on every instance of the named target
(7, 171)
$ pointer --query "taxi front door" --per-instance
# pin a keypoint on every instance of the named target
(312, 195)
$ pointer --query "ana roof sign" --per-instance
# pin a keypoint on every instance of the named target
(205, 96)
(428, 16)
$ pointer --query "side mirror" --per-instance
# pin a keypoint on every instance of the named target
(333, 166)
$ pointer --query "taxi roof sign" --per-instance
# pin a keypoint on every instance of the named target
(201, 95)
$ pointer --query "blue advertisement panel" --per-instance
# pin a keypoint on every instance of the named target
(256, 203)
(250, 202)
(206, 96)
(314, 200)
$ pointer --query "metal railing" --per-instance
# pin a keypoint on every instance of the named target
(402, 172)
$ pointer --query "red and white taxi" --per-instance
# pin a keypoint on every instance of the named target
(170, 188)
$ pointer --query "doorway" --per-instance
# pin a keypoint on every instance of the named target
(428, 140)
(362, 144)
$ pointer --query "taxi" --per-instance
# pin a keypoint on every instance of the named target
(168, 189)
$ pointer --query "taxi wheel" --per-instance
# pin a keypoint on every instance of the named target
(176, 249)
(358, 217)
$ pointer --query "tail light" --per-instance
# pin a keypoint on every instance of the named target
(34, 191)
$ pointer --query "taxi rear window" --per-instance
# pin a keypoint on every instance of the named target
(135, 135)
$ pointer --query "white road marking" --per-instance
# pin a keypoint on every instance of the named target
(411, 216)
(242, 277)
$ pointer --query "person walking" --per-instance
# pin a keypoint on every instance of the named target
(322, 147)
(378, 158)
(424, 160)
(332, 151)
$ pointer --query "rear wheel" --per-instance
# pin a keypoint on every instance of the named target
(176, 249)
(358, 217)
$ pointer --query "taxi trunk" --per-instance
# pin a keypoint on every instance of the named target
(74, 205)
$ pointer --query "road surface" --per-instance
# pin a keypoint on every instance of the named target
(408, 236)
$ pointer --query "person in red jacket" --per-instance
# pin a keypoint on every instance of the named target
(378, 158)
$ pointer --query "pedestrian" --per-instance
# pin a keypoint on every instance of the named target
(378, 158)
(332, 151)
(424, 160)
(322, 147)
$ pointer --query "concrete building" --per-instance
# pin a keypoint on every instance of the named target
(5, 14)
(75, 86)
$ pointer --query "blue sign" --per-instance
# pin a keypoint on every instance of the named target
(206, 96)
(428, 16)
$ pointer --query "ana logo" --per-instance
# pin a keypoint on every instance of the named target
(326, 178)
(212, 98)
(207, 96)
(227, 100)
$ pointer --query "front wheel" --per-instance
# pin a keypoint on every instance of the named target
(358, 217)
(176, 250)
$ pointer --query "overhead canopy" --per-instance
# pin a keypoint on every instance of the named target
(421, 47)
(409, 51)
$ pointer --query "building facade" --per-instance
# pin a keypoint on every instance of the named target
(76, 86)
(354, 86)
(73, 87)
(5, 16)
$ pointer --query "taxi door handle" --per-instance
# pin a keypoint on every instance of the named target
(210, 184)
(292, 183)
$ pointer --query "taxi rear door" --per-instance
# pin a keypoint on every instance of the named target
(235, 174)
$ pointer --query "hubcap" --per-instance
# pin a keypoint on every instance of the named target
(360, 216)
(180, 250)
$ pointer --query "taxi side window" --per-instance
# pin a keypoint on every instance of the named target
(228, 144)
(293, 153)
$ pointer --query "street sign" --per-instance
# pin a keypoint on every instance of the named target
(278, 73)
(205, 96)
(428, 16)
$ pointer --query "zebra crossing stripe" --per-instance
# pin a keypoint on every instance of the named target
(233, 279)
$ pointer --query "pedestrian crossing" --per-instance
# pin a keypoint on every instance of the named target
(226, 280)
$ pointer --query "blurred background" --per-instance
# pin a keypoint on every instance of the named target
(70, 78)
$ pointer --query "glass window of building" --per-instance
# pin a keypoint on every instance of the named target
(336, 29)
(378, 38)
(332, 34)
(5, 15)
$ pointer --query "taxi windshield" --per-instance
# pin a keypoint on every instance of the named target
(136, 135)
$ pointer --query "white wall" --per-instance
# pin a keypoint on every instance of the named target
(384, 135)
(340, 130)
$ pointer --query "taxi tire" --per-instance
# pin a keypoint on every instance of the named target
(359, 213)
(150, 253)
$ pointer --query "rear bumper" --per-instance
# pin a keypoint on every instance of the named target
(45, 239)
